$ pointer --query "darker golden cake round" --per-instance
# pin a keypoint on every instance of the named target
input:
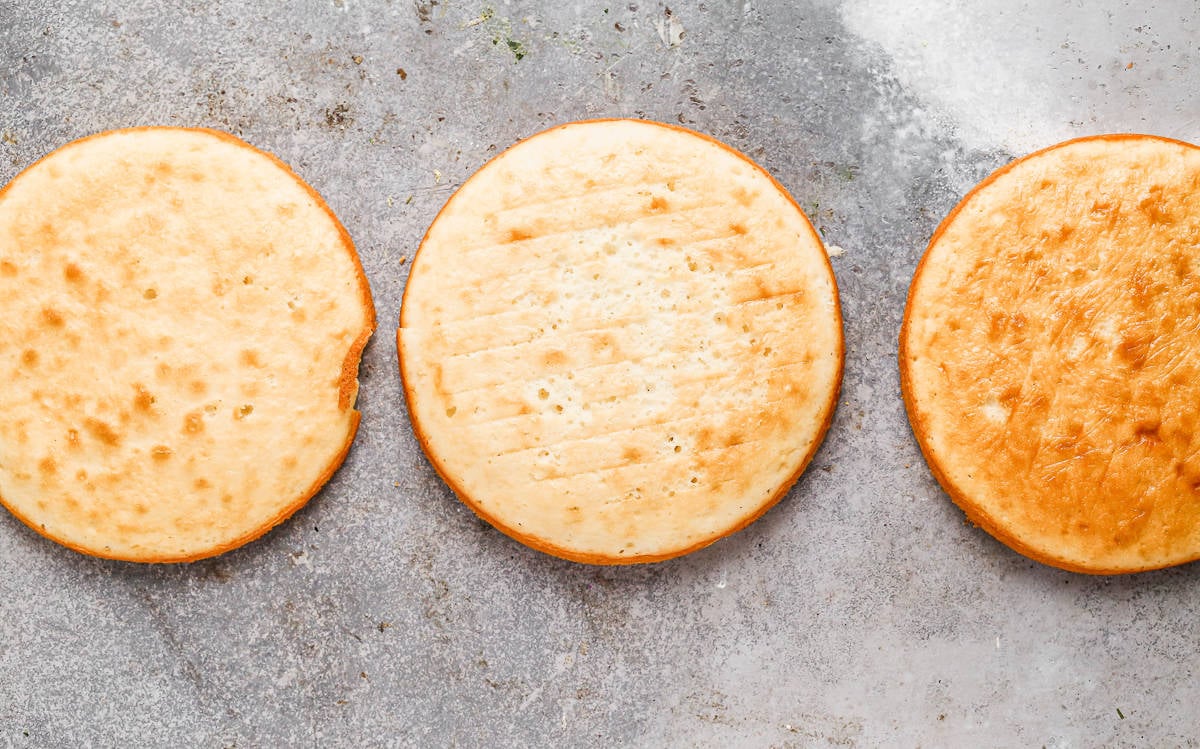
(1050, 354)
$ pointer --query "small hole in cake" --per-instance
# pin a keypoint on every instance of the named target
(451, 411)
(247, 280)
(242, 412)
(543, 393)
(150, 294)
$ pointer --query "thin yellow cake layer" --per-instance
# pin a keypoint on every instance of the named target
(1050, 355)
(620, 341)
(181, 319)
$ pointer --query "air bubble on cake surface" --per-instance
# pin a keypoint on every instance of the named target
(678, 443)
(1078, 348)
(994, 411)
(1106, 330)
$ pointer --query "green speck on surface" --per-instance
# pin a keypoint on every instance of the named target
(1120, 714)
(500, 29)
(484, 16)
(848, 172)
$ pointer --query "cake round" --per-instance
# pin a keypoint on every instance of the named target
(620, 341)
(181, 320)
(1050, 354)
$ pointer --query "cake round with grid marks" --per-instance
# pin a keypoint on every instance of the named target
(620, 341)
(181, 320)
(1049, 354)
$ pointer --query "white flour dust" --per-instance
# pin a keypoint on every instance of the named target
(1024, 75)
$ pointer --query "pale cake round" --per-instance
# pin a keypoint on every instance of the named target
(181, 320)
(1050, 354)
(620, 341)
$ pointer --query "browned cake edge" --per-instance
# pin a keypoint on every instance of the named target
(347, 386)
(549, 547)
(976, 514)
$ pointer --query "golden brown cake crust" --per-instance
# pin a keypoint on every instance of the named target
(1047, 354)
(551, 445)
(161, 327)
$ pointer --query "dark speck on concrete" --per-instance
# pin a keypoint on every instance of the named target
(338, 116)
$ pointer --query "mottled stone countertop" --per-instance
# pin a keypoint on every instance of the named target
(861, 611)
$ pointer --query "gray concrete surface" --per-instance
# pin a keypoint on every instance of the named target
(862, 611)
